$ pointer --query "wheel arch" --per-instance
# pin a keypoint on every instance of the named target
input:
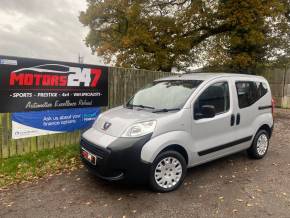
(176, 140)
(267, 128)
(177, 148)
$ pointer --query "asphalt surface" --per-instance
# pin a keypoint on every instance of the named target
(234, 186)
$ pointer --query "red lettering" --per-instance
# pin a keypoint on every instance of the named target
(54, 80)
(62, 80)
(97, 74)
(28, 79)
(14, 79)
(37, 79)
(46, 80)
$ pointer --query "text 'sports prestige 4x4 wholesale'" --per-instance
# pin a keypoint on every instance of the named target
(180, 122)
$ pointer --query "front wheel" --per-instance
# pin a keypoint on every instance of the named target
(260, 145)
(167, 171)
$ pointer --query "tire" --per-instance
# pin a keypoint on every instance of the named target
(167, 172)
(260, 145)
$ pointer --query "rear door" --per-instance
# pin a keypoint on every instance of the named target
(215, 137)
(254, 99)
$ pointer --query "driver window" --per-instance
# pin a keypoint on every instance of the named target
(216, 95)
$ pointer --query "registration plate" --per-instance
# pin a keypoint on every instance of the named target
(89, 156)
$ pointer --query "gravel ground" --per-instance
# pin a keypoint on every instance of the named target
(234, 186)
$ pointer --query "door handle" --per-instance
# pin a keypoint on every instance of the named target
(238, 119)
(233, 119)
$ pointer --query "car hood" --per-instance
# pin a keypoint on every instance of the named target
(120, 118)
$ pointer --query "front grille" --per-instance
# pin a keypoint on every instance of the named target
(95, 149)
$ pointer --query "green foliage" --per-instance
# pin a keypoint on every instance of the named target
(30, 167)
(253, 38)
(161, 34)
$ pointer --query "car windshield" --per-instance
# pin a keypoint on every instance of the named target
(164, 95)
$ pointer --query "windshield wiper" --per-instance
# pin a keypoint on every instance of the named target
(165, 110)
(140, 105)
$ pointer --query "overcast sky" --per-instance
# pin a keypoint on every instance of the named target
(47, 29)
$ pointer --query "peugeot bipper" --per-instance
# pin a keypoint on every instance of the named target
(180, 122)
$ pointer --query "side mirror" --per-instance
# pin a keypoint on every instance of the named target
(207, 111)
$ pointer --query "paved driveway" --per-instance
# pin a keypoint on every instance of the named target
(234, 186)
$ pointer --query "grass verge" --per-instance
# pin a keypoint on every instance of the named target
(30, 167)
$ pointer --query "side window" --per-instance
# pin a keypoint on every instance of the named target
(216, 95)
(250, 92)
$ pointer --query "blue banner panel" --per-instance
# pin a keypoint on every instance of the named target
(30, 124)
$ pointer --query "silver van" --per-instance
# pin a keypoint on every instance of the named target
(179, 122)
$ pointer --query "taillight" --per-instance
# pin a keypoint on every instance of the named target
(273, 106)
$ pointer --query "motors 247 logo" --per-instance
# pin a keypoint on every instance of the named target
(55, 75)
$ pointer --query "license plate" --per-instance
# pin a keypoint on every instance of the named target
(89, 156)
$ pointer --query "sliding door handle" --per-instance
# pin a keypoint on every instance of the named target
(233, 120)
(238, 119)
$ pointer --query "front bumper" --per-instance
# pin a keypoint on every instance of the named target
(121, 160)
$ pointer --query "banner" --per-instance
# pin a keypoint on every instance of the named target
(32, 85)
(30, 124)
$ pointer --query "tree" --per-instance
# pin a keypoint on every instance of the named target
(161, 34)
(259, 34)
(282, 43)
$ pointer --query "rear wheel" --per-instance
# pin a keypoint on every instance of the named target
(260, 145)
(168, 171)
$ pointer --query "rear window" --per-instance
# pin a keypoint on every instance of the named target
(250, 92)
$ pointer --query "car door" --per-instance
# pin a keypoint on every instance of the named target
(250, 99)
(214, 137)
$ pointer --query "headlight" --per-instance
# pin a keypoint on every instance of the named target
(140, 129)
